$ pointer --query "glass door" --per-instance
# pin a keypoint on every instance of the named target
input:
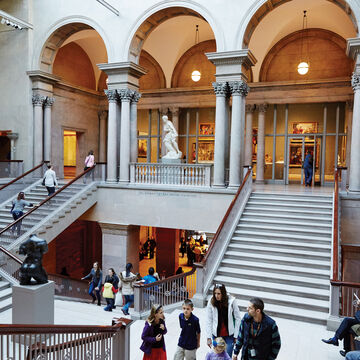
(296, 155)
(317, 160)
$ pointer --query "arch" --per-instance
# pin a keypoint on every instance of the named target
(261, 8)
(155, 77)
(45, 53)
(161, 12)
(281, 56)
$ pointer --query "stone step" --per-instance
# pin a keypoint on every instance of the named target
(5, 293)
(291, 195)
(287, 217)
(5, 304)
(288, 206)
(294, 199)
(281, 211)
(290, 223)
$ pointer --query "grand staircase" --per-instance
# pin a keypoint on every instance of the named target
(281, 252)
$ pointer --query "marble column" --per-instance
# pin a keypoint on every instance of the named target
(48, 103)
(111, 140)
(260, 157)
(12, 137)
(133, 127)
(102, 135)
(38, 101)
(354, 179)
(175, 117)
(249, 109)
(221, 91)
(348, 121)
(124, 170)
(239, 91)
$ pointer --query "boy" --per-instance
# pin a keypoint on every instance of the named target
(189, 340)
(109, 292)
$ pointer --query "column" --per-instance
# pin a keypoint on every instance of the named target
(249, 109)
(102, 135)
(348, 121)
(48, 103)
(133, 127)
(111, 141)
(175, 117)
(38, 101)
(239, 91)
(221, 90)
(260, 157)
(12, 137)
(120, 245)
(124, 170)
(354, 179)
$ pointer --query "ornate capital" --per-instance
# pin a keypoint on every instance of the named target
(263, 107)
(111, 95)
(38, 99)
(49, 101)
(136, 97)
(163, 110)
(249, 108)
(220, 89)
(355, 81)
(350, 105)
(174, 111)
(125, 94)
(239, 88)
(103, 115)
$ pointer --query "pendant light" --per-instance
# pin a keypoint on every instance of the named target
(303, 66)
(196, 74)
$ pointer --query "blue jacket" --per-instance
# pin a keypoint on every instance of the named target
(308, 162)
(96, 280)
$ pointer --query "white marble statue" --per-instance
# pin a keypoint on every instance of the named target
(171, 146)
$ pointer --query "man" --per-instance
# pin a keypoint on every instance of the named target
(258, 337)
(353, 355)
(308, 168)
(344, 332)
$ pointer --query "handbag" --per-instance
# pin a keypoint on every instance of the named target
(43, 182)
(12, 208)
(119, 301)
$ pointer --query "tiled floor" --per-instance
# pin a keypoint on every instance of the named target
(300, 341)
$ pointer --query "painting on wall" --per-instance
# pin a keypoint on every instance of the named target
(295, 153)
(304, 127)
(142, 149)
(205, 152)
(206, 129)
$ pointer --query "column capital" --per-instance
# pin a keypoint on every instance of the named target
(125, 94)
(250, 108)
(136, 96)
(111, 95)
(174, 111)
(103, 114)
(163, 110)
(220, 88)
(239, 88)
(355, 81)
(49, 101)
(38, 99)
(263, 107)
(350, 104)
(12, 136)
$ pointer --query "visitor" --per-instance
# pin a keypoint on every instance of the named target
(150, 278)
(189, 340)
(223, 317)
(344, 332)
(258, 337)
(353, 355)
(153, 344)
(179, 271)
(49, 180)
(115, 281)
(109, 292)
(182, 247)
(219, 350)
(308, 168)
(127, 282)
(152, 247)
(95, 283)
(89, 162)
(17, 211)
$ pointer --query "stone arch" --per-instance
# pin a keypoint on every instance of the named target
(263, 7)
(155, 77)
(156, 15)
(44, 57)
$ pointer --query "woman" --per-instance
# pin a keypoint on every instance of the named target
(95, 283)
(17, 211)
(127, 282)
(50, 180)
(114, 280)
(89, 162)
(223, 318)
(153, 344)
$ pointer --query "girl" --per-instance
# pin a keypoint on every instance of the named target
(17, 210)
(109, 292)
(218, 353)
(127, 282)
(153, 344)
(95, 283)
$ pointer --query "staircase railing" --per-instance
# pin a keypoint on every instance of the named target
(207, 268)
(22, 182)
(14, 233)
(33, 342)
(11, 168)
(169, 291)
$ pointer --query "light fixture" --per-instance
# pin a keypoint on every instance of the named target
(303, 66)
(196, 74)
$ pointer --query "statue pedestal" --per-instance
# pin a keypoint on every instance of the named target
(33, 304)
(170, 161)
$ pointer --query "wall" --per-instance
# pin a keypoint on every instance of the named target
(154, 78)
(350, 215)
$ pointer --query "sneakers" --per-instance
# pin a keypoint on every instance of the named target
(342, 353)
(125, 312)
(333, 341)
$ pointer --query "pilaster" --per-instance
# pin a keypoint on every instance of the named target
(260, 157)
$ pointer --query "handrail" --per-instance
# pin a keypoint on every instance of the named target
(12, 256)
(23, 175)
(344, 283)
(45, 200)
(335, 274)
(203, 262)
(11, 161)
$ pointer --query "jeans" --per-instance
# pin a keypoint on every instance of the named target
(97, 292)
(110, 304)
(17, 226)
(353, 355)
(182, 354)
(129, 300)
(344, 331)
(50, 189)
(308, 175)
(229, 340)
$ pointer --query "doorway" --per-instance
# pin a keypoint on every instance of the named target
(70, 150)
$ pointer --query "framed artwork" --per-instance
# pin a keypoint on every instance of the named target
(206, 129)
(304, 127)
(295, 154)
(205, 151)
(254, 143)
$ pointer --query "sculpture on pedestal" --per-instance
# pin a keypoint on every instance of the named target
(33, 248)
(172, 149)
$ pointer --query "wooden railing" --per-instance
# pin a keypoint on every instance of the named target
(335, 243)
(207, 268)
(172, 290)
(346, 304)
(52, 342)
(170, 174)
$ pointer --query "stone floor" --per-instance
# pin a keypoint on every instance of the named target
(300, 341)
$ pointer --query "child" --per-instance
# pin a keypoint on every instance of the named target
(219, 350)
(189, 340)
(109, 292)
(153, 344)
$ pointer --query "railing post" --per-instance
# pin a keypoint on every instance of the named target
(121, 344)
(132, 173)
(199, 298)
(333, 320)
(137, 301)
(207, 176)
